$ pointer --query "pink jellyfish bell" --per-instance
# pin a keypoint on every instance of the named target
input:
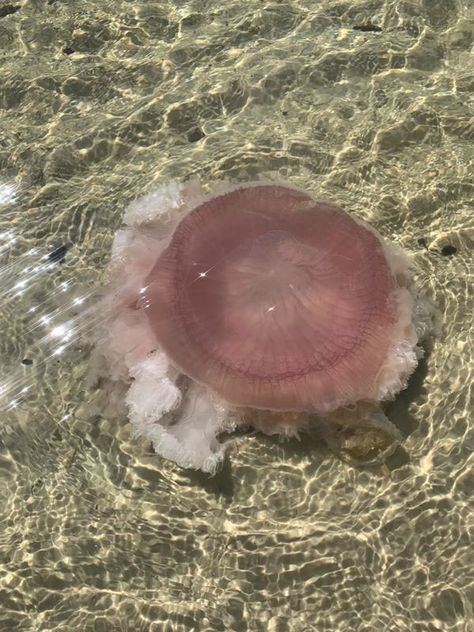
(264, 299)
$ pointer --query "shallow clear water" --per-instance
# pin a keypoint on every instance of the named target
(367, 103)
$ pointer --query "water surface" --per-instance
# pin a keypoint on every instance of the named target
(367, 103)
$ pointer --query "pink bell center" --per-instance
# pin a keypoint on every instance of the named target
(274, 301)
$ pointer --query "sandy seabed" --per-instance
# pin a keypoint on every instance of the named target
(368, 104)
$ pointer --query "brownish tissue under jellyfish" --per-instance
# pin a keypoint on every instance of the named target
(253, 305)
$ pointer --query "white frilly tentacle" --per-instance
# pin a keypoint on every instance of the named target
(188, 438)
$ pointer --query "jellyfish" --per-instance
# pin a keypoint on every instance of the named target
(253, 305)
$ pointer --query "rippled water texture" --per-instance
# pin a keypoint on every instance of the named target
(364, 102)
